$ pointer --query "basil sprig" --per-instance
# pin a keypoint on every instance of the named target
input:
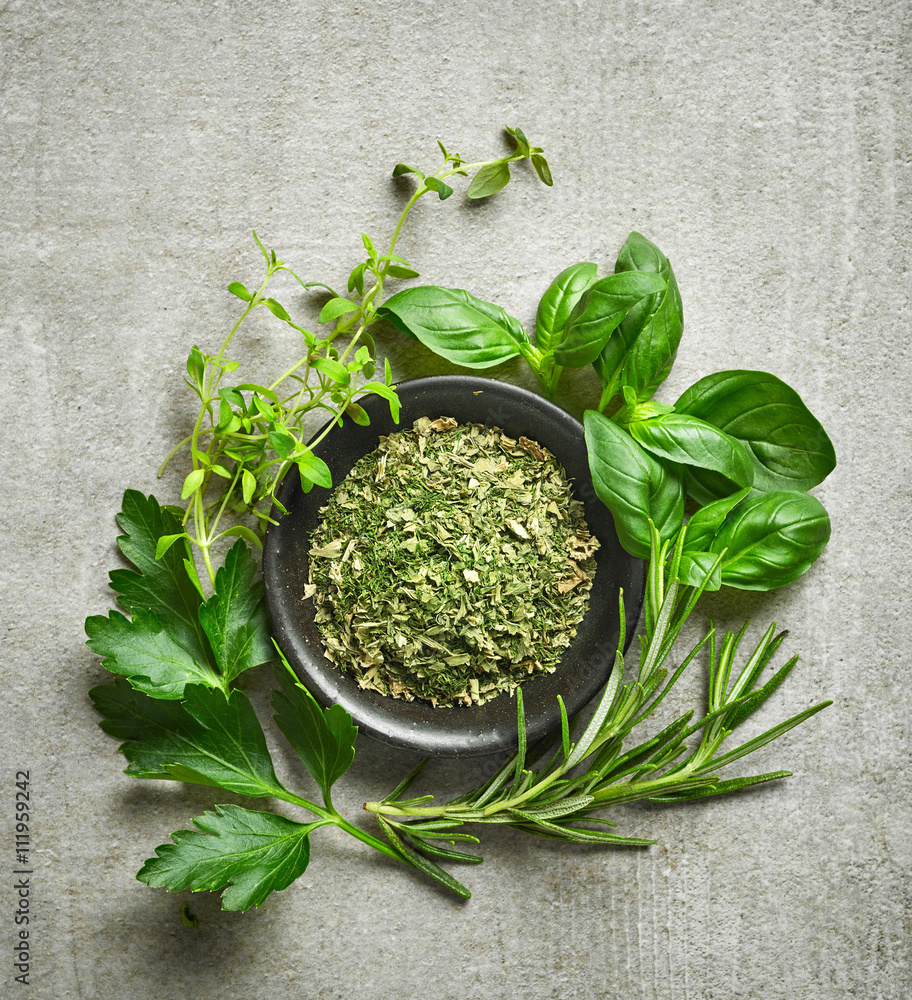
(741, 435)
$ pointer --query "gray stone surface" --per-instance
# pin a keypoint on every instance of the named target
(764, 145)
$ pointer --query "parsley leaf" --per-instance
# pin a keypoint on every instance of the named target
(161, 586)
(147, 654)
(174, 637)
(207, 739)
(252, 853)
(235, 618)
(325, 741)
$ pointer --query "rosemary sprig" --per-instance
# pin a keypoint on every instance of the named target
(599, 770)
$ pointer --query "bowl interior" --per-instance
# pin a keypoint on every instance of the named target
(417, 725)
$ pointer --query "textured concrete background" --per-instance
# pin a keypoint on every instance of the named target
(765, 146)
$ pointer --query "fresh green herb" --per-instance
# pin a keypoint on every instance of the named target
(451, 565)
(740, 443)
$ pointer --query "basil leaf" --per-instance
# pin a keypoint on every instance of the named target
(598, 313)
(456, 325)
(706, 522)
(771, 539)
(681, 438)
(642, 352)
(558, 302)
(789, 447)
(246, 852)
(694, 566)
(633, 485)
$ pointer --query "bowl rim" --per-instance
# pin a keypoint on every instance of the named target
(417, 726)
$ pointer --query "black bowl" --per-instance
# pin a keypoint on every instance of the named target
(416, 725)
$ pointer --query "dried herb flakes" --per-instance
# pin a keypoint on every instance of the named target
(451, 565)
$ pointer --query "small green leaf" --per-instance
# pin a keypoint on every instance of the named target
(489, 179)
(404, 168)
(262, 389)
(358, 414)
(236, 288)
(335, 308)
(332, 369)
(388, 393)
(192, 483)
(233, 396)
(397, 271)
(166, 541)
(248, 485)
(220, 470)
(242, 531)
(542, 169)
(435, 184)
(356, 279)
(315, 469)
(262, 408)
(262, 248)
(226, 415)
(283, 442)
(277, 309)
(522, 143)
(196, 365)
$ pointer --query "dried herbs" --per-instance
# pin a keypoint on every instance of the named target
(451, 565)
